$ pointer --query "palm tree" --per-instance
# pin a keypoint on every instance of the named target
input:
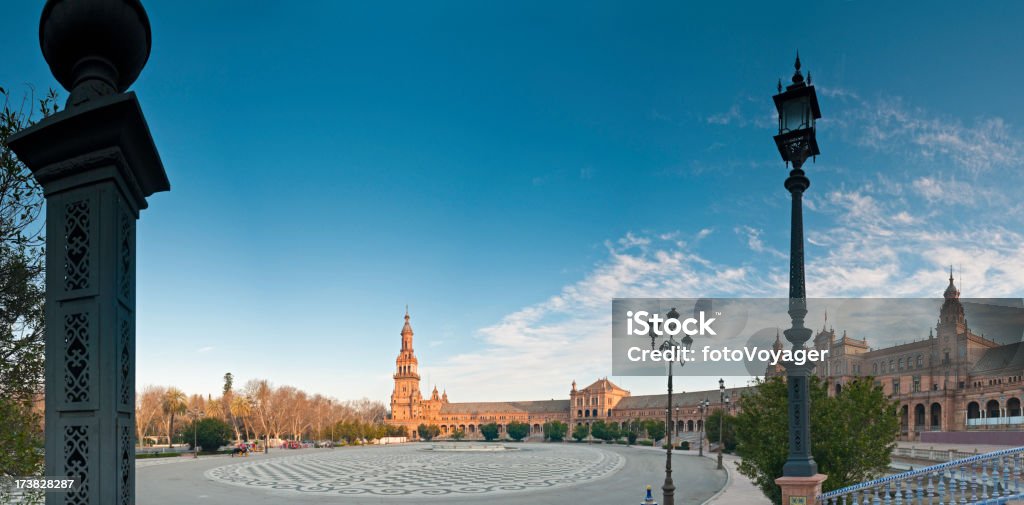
(173, 403)
(240, 409)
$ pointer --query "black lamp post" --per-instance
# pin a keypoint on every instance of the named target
(797, 107)
(702, 407)
(721, 418)
(668, 488)
(675, 420)
(195, 414)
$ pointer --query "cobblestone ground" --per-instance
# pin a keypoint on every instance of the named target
(537, 474)
(413, 471)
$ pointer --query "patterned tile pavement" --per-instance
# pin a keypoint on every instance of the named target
(412, 471)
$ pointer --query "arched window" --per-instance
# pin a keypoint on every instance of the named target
(992, 408)
(892, 366)
(973, 410)
(579, 413)
(586, 413)
(901, 363)
(1013, 407)
(874, 367)
(920, 361)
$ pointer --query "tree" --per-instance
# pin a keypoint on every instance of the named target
(632, 430)
(489, 431)
(148, 407)
(852, 436)
(458, 435)
(655, 429)
(240, 408)
(600, 430)
(210, 434)
(729, 435)
(173, 404)
(613, 432)
(22, 295)
(428, 432)
(517, 430)
(555, 431)
(21, 439)
(580, 432)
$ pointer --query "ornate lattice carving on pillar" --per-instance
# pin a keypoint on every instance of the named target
(97, 164)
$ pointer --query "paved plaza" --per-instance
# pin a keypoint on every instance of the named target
(534, 473)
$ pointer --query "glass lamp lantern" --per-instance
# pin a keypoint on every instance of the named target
(797, 108)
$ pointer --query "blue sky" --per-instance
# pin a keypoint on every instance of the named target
(507, 168)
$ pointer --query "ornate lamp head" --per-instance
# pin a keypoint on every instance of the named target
(797, 107)
(94, 47)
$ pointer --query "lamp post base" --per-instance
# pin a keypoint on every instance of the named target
(800, 490)
(668, 492)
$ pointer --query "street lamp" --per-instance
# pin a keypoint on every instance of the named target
(195, 414)
(668, 488)
(676, 420)
(721, 418)
(702, 407)
(797, 107)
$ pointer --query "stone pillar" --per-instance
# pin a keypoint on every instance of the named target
(97, 164)
(800, 490)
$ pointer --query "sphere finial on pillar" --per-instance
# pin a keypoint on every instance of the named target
(94, 47)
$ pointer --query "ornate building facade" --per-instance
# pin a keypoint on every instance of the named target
(954, 380)
(601, 400)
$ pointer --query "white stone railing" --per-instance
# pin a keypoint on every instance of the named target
(990, 479)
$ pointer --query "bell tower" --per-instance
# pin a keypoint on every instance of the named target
(951, 316)
(406, 398)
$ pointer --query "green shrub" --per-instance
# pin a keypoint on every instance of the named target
(153, 455)
(209, 433)
(427, 433)
(555, 431)
(580, 432)
(489, 431)
(517, 430)
(648, 443)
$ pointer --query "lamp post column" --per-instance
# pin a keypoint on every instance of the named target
(703, 408)
(721, 420)
(97, 165)
(798, 109)
(669, 488)
(800, 462)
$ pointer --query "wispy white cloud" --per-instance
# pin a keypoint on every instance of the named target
(892, 233)
(888, 124)
(754, 242)
(727, 117)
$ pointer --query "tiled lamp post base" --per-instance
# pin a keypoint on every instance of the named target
(800, 490)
